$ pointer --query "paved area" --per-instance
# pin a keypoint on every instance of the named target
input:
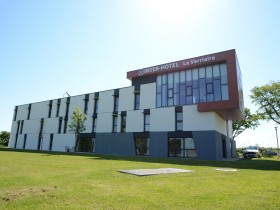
(148, 172)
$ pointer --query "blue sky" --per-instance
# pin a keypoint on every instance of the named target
(49, 47)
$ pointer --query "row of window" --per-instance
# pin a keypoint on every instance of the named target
(177, 147)
(204, 84)
(86, 100)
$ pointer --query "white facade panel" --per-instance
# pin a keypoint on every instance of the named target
(88, 124)
(201, 121)
(148, 96)
(126, 99)
(39, 110)
(14, 127)
(45, 142)
(162, 119)
(60, 141)
(31, 126)
(12, 140)
(104, 123)
(106, 102)
(50, 125)
(62, 109)
(22, 112)
(32, 141)
(76, 102)
(135, 121)
(20, 141)
(54, 107)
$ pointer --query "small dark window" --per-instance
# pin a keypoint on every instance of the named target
(29, 111)
(65, 124)
(21, 128)
(86, 103)
(137, 101)
(51, 141)
(123, 123)
(142, 146)
(95, 106)
(67, 106)
(116, 103)
(94, 123)
(24, 141)
(179, 121)
(57, 107)
(59, 125)
(15, 113)
(115, 124)
(146, 122)
(50, 109)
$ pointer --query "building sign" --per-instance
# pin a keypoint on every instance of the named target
(175, 65)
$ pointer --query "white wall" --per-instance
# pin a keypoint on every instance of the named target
(162, 119)
(22, 112)
(126, 99)
(148, 96)
(50, 125)
(76, 102)
(31, 126)
(62, 140)
(106, 102)
(39, 110)
(20, 141)
(88, 124)
(200, 121)
(45, 142)
(32, 141)
(104, 123)
(134, 121)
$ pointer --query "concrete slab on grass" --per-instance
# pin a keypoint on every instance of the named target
(226, 169)
(148, 172)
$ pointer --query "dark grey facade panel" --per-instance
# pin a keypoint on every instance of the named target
(143, 80)
(159, 144)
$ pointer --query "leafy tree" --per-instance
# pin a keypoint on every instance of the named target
(77, 125)
(4, 138)
(250, 121)
(267, 97)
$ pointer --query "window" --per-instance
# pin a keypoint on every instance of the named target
(204, 84)
(86, 103)
(94, 123)
(39, 145)
(65, 124)
(24, 141)
(51, 141)
(59, 125)
(179, 121)
(50, 109)
(182, 147)
(21, 128)
(123, 123)
(29, 111)
(137, 101)
(15, 113)
(116, 103)
(67, 106)
(146, 122)
(18, 126)
(115, 124)
(57, 107)
(95, 106)
(142, 146)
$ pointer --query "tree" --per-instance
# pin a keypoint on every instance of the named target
(267, 97)
(77, 125)
(250, 121)
(4, 138)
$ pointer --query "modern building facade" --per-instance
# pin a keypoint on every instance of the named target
(178, 109)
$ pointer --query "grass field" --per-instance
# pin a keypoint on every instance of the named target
(31, 180)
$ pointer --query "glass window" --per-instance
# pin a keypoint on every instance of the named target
(209, 74)
(202, 90)
(116, 104)
(202, 72)
(223, 68)
(164, 95)
(182, 147)
(94, 124)
(123, 123)
(59, 125)
(137, 101)
(146, 122)
(209, 88)
(179, 121)
(170, 80)
(96, 105)
(115, 124)
(195, 96)
(217, 90)
(189, 78)
(142, 146)
(225, 92)
(216, 71)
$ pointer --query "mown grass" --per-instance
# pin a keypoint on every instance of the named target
(32, 180)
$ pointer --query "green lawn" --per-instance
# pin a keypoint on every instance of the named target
(30, 180)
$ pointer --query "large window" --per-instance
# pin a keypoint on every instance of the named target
(142, 146)
(182, 147)
(116, 103)
(179, 121)
(137, 101)
(204, 84)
